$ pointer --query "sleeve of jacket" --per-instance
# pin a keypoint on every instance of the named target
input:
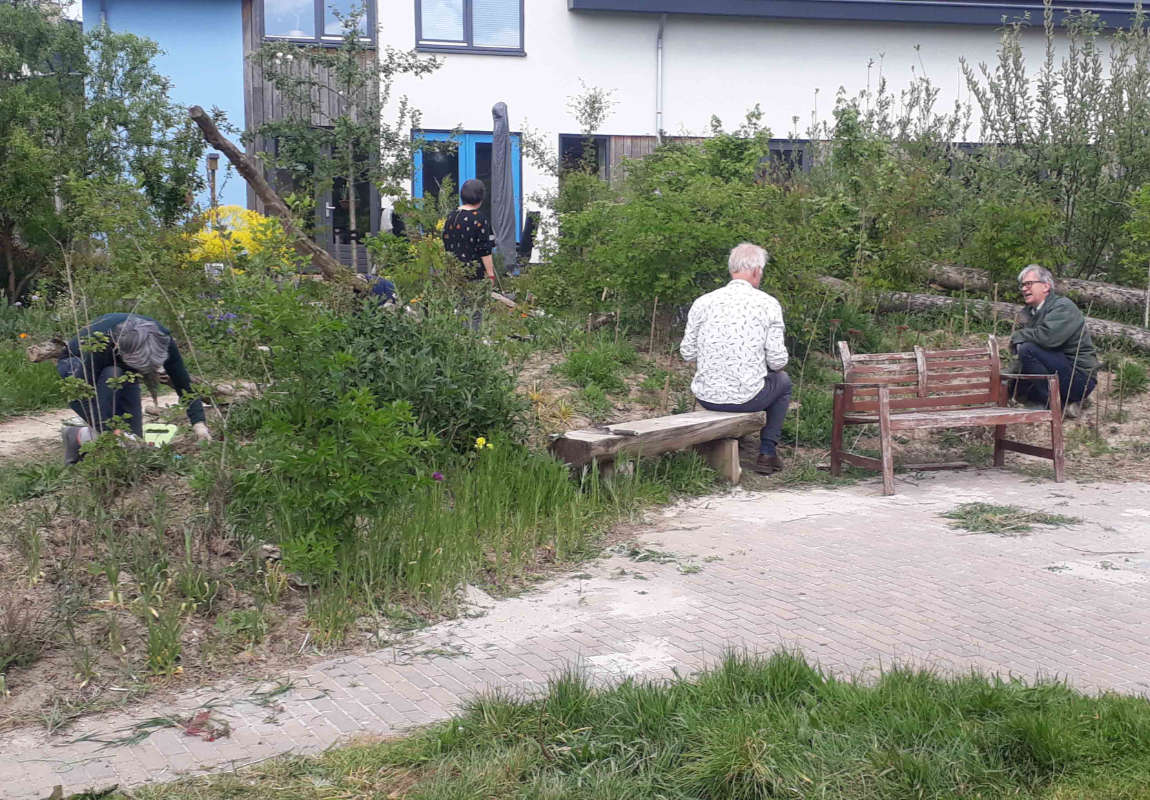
(1055, 328)
(182, 382)
(689, 347)
(777, 357)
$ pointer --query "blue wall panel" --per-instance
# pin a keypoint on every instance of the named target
(203, 56)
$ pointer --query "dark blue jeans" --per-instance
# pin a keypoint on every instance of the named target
(108, 402)
(774, 398)
(1040, 361)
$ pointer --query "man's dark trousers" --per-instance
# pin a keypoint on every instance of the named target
(1037, 360)
(774, 398)
(109, 401)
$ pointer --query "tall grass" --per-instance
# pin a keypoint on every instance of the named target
(751, 728)
(500, 513)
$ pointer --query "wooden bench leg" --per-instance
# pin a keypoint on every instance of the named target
(606, 469)
(999, 450)
(723, 456)
(885, 440)
(1056, 446)
(837, 434)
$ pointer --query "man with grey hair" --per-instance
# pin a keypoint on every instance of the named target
(103, 353)
(1052, 340)
(735, 337)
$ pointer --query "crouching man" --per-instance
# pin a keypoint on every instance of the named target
(103, 353)
(1052, 340)
(735, 337)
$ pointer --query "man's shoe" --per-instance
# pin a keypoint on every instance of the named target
(71, 436)
(768, 465)
(1073, 410)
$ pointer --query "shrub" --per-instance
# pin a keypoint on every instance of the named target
(238, 236)
(321, 459)
(1131, 377)
(457, 387)
(24, 386)
(598, 364)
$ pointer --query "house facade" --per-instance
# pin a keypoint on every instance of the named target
(668, 65)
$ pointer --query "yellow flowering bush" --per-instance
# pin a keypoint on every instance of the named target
(233, 233)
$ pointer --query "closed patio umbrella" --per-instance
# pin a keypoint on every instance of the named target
(502, 189)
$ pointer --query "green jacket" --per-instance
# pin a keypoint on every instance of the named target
(1059, 326)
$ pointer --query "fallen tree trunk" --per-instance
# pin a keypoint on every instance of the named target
(252, 172)
(954, 276)
(907, 301)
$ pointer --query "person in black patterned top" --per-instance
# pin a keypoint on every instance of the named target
(467, 233)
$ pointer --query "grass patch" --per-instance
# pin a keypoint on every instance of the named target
(24, 386)
(24, 481)
(599, 364)
(751, 728)
(1002, 520)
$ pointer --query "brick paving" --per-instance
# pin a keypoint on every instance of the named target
(855, 580)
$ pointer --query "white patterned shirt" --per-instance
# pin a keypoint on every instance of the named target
(735, 334)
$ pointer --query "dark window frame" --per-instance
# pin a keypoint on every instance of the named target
(466, 44)
(320, 39)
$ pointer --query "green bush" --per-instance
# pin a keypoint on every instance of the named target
(599, 364)
(1131, 377)
(320, 460)
(458, 387)
(24, 386)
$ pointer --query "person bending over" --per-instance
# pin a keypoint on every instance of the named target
(102, 353)
(735, 337)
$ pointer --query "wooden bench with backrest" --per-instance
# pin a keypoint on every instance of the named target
(935, 389)
(715, 434)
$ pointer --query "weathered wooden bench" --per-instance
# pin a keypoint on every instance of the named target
(935, 389)
(714, 434)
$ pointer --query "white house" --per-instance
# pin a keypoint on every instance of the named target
(672, 64)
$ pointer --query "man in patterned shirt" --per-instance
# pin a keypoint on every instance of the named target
(735, 337)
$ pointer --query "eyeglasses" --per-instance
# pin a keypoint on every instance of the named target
(1028, 284)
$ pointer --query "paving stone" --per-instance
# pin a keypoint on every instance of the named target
(797, 571)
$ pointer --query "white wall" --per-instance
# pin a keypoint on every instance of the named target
(713, 65)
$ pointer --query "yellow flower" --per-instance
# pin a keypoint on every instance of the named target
(480, 443)
(439, 226)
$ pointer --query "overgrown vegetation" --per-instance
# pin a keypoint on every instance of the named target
(750, 728)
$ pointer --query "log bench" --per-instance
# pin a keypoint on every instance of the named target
(926, 389)
(714, 434)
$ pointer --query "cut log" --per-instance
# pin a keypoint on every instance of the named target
(1108, 295)
(650, 437)
(252, 172)
(907, 301)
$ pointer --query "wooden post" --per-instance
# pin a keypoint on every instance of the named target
(723, 456)
(654, 308)
(885, 442)
(837, 432)
(1056, 443)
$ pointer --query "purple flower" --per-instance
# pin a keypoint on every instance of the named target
(437, 476)
(228, 315)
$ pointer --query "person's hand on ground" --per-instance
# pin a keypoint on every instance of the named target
(202, 432)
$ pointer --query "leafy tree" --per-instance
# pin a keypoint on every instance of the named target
(86, 131)
(333, 125)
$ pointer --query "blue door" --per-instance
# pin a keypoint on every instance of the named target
(470, 157)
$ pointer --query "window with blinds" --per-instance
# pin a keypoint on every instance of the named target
(488, 26)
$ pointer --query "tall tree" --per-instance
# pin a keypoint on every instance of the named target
(82, 116)
(333, 127)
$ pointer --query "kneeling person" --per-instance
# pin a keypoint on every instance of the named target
(102, 352)
(1052, 340)
(735, 336)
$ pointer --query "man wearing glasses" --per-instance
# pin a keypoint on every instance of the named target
(1052, 340)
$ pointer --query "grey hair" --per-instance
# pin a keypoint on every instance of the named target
(747, 257)
(1044, 275)
(142, 345)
